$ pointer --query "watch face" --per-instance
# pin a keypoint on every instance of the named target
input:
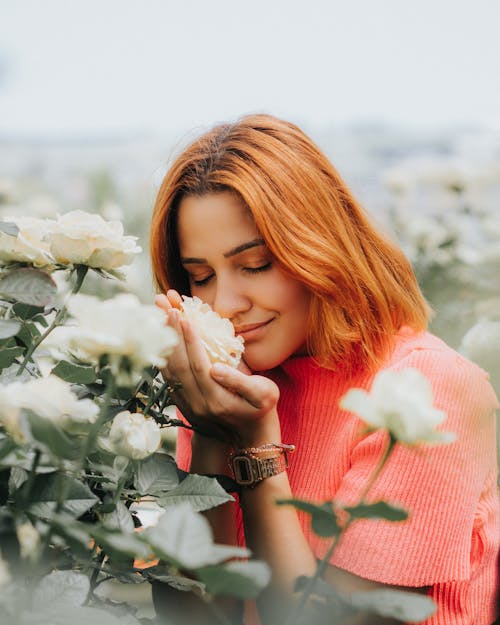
(242, 468)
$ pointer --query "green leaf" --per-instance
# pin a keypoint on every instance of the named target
(26, 311)
(47, 490)
(120, 518)
(179, 582)
(9, 227)
(156, 474)
(8, 356)
(378, 510)
(66, 588)
(200, 491)
(323, 521)
(244, 580)
(8, 328)
(29, 286)
(60, 444)
(119, 544)
(76, 374)
(409, 607)
(184, 537)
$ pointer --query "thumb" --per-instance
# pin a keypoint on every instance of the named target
(257, 390)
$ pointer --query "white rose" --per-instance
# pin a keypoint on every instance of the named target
(50, 398)
(132, 335)
(132, 435)
(482, 344)
(79, 238)
(400, 402)
(28, 246)
(216, 333)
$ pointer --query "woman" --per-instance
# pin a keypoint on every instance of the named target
(254, 220)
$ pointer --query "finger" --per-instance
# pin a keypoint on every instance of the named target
(197, 355)
(161, 300)
(174, 298)
(244, 368)
(258, 391)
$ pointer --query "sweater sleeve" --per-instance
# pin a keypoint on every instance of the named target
(448, 490)
(183, 446)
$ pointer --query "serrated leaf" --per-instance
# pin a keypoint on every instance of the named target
(409, 607)
(323, 518)
(244, 580)
(66, 588)
(378, 510)
(184, 537)
(156, 474)
(60, 444)
(8, 356)
(76, 374)
(26, 311)
(9, 227)
(46, 492)
(200, 491)
(8, 328)
(29, 286)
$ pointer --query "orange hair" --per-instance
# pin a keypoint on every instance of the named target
(363, 287)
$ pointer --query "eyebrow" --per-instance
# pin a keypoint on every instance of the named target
(236, 250)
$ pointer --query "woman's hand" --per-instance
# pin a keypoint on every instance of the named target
(218, 400)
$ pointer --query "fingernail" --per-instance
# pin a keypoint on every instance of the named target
(219, 369)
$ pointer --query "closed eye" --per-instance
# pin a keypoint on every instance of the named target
(257, 269)
(202, 281)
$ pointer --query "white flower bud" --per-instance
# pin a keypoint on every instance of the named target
(133, 436)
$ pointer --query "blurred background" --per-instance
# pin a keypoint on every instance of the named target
(96, 97)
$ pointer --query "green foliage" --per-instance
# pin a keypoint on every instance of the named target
(323, 517)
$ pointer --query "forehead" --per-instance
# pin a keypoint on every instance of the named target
(217, 220)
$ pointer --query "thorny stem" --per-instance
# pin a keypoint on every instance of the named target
(323, 563)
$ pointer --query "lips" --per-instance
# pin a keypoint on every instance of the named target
(249, 329)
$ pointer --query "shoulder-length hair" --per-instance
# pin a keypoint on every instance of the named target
(363, 287)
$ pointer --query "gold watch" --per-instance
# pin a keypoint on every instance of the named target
(254, 464)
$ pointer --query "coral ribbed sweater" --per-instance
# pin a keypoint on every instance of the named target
(451, 540)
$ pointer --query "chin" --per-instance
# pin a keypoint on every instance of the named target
(262, 362)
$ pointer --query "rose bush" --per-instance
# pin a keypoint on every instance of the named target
(81, 446)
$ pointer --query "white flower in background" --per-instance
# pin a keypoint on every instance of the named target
(29, 540)
(132, 335)
(400, 402)
(83, 238)
(216, 333)
(482, 344)
(50, 398)
(132, 435)
(28, 246)
(4, 572)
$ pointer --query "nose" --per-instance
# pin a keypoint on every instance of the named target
(230, 300)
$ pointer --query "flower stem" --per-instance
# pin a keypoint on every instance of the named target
(323, 563)
(55, 322)
(81, 272)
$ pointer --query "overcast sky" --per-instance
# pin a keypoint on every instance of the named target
(74, 66)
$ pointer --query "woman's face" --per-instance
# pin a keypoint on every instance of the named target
(230, 268)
